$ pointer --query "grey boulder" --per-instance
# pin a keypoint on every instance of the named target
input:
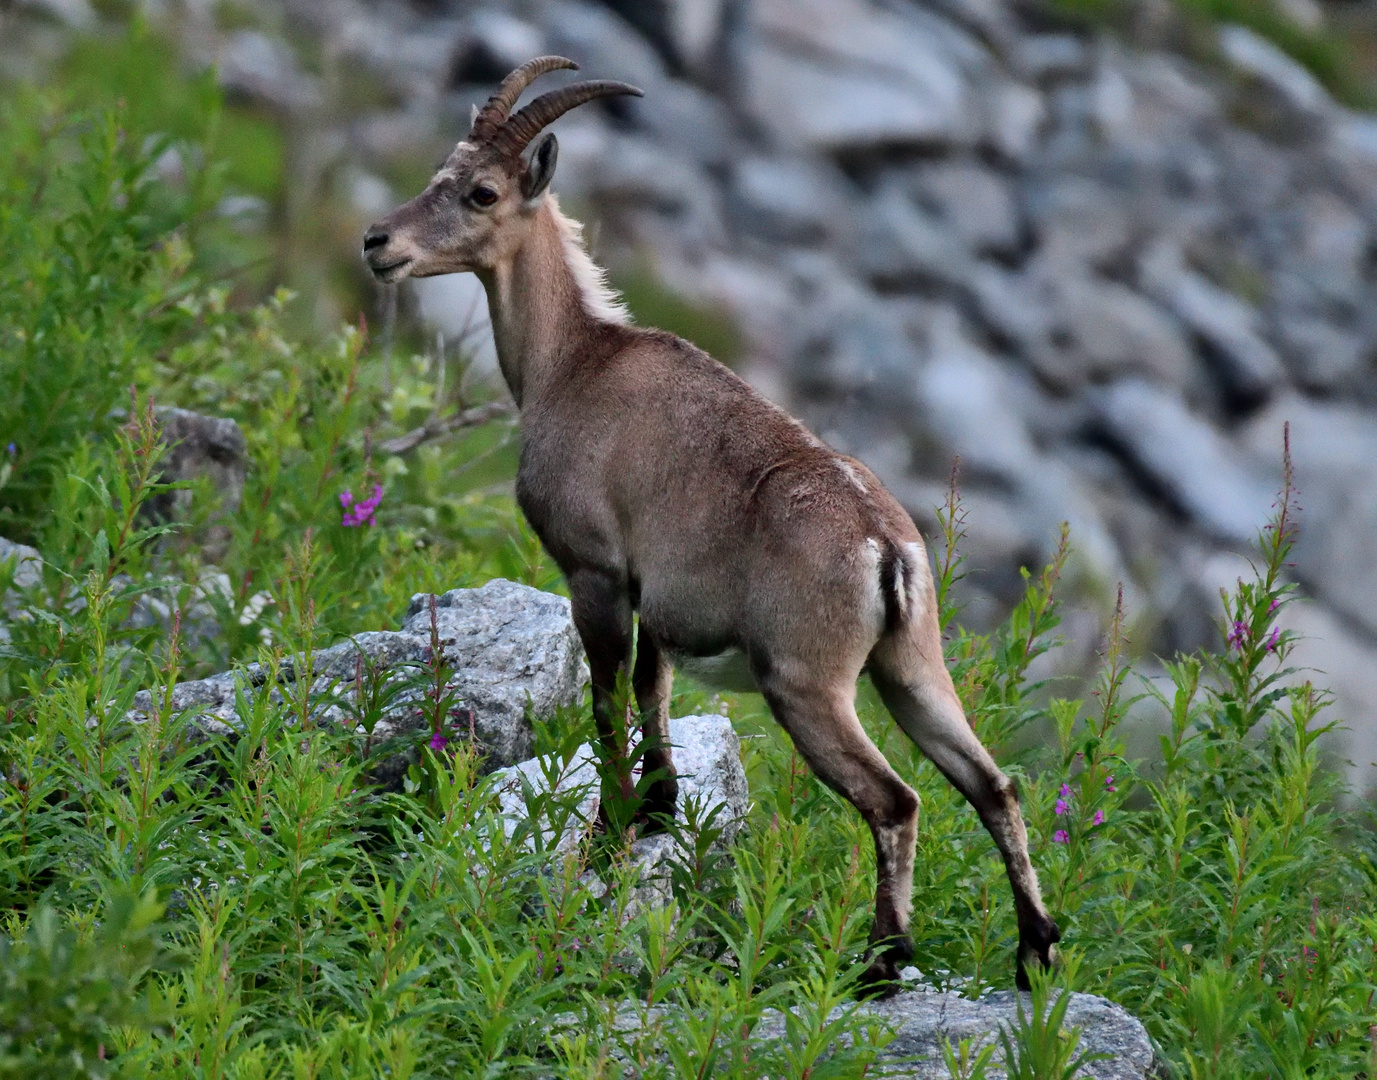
(27, 574)
(28, 564)
(1197, 468)
(923, 1022)
(198, 447)
(513, 651)
(707, 760)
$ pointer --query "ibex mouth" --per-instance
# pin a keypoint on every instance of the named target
(392, 272)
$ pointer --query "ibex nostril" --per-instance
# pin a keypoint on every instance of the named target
(373, 240)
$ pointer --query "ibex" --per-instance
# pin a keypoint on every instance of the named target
(660, 482)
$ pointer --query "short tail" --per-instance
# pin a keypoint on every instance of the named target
(897, 574)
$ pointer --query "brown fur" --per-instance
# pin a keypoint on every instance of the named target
(660, 482)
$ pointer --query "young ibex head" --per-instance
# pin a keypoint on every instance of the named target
(475, 210)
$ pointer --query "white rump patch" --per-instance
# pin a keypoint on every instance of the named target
(870, 554)
(600, 300)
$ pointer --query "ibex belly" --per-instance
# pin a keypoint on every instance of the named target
(727, 670)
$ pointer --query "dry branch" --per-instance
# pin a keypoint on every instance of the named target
(438, 428)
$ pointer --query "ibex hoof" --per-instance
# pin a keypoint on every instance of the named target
(881, 977)
(1037, 947)
(879, 980)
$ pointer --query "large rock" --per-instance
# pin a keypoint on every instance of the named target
(27, 574)
(1334, 449)
(788, 200)
(975, 202)
(28, 564)
(838, 74)
(513, 650)
(1192, 464)
(707, 760)
(1289, 80)
(264, 69)
(209, 448)
(898, 245)
(1230, 327)
(923, 1022)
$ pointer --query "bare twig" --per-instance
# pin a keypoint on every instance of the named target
(436, 429)
(441, 363)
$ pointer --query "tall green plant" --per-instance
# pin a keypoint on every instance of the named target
(88, 265)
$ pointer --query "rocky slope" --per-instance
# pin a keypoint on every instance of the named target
(1102, 274)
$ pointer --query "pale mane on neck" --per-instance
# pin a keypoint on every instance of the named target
(600, 300)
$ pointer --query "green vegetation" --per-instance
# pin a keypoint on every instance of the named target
(1327, 54)
(132, 68)
(312, 925)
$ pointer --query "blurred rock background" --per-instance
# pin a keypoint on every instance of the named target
(1100, 250)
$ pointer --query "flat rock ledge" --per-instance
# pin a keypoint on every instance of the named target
(925, 1020)
(513, 649)
(707, 760)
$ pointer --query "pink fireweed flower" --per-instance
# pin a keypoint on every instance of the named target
(1109, 783)
(438, 742)
(1065, 791)
(1237, 635)
(1099, 817)
(1060, 808)
(1061, 836)
(1273, 640)
(360, 513)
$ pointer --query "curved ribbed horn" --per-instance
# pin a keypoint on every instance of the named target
(513, 136)
(492, 115)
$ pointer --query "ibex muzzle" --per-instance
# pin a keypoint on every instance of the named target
(662, 483)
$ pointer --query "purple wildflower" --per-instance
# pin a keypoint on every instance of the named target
(1237, 635)
(438, 742)
(11, 450)
(1109, 783)
(1273, 639)
(361, 512)
(1060, 808)
(1061, 836)
(1099, 817)
(1065, 791)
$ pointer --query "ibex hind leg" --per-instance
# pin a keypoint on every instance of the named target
(821, 720)
(920, 695)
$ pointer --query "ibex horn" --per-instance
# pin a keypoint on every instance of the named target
(492, 115)
(513, 136)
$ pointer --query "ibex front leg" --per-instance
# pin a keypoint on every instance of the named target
(602, 614)
(653, 680)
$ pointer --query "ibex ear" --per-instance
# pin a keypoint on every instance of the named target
(540, 169)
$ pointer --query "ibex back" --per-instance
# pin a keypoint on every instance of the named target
(660, 482)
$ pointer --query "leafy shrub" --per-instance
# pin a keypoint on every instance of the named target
(64, 994)
(80, 291)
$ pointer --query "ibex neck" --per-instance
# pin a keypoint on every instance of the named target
(544, 300)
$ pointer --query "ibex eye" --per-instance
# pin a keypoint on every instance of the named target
(483, 196)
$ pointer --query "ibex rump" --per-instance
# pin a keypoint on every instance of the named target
(660, 482)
